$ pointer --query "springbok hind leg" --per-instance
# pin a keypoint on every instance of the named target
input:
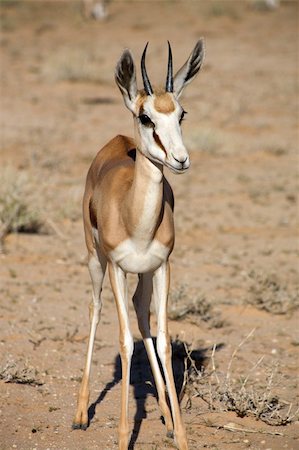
(119, 287)
(97, 267)
(142, 299)
(160, 291)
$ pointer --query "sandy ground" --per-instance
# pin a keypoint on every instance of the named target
(235, 219)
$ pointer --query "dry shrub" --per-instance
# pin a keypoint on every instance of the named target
(223, 9)
(268, 294)
(74, 65)
(205, 139)
(194, 310)
(71, 208)
(18, 204)
(241, 395)
(265, 5)
(19, 372)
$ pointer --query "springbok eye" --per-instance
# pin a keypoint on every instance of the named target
(145, 120)
(182, 116)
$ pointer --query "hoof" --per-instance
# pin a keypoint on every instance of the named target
(170, 434)
(79, 426)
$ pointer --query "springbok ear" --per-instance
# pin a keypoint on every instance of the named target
(190, 69)
(125, 77)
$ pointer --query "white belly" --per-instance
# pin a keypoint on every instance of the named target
(135, 259)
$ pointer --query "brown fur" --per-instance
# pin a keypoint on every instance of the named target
(140, 101)
(111, 176)
(128, 213)
(164, 103)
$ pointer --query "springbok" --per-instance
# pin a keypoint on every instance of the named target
(128, 222)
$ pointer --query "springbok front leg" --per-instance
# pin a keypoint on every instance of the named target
(97, 266)
(160, 290)
(119, 288)
(142, 299)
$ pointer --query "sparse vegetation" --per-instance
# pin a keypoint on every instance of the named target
(71, 208)
(240, 394)
(223, 9)
(19, 372)
(204, 139)
(265, 5)
(268, 294)
(195, 309)
(75, 65)
(18, 204)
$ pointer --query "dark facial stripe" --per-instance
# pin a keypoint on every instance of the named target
(158, 142)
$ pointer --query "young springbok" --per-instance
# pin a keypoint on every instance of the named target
(128, 221)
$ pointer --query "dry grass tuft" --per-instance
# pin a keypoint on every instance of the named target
(18, 206)
(74, 65)
(19, 372)
(194, 310)
(268, 294)
(223, 9)
(72, 205)
(265, 5)
(239, 394)
(205, 139)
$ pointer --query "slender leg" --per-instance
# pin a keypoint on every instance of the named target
(119, 287)
(142, 299)
(97, 267)
(160, 291)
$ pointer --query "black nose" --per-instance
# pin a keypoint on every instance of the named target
(179, 160)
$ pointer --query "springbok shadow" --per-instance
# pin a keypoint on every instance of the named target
(142, 380)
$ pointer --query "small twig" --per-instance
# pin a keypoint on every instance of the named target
(55, 228)
(249, 430)
(251, 370)
(213, 364)
(267, 393)
(70, 337)
(236, 351)
(185, 380)
(232, 427)
(37, 343)
(289, 410)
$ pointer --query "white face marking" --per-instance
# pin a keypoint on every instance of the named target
(166, 129)
(134, 260)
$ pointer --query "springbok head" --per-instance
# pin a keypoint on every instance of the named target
(158, 113)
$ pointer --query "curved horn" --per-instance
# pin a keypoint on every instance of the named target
(169, 79)
(146, 81)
